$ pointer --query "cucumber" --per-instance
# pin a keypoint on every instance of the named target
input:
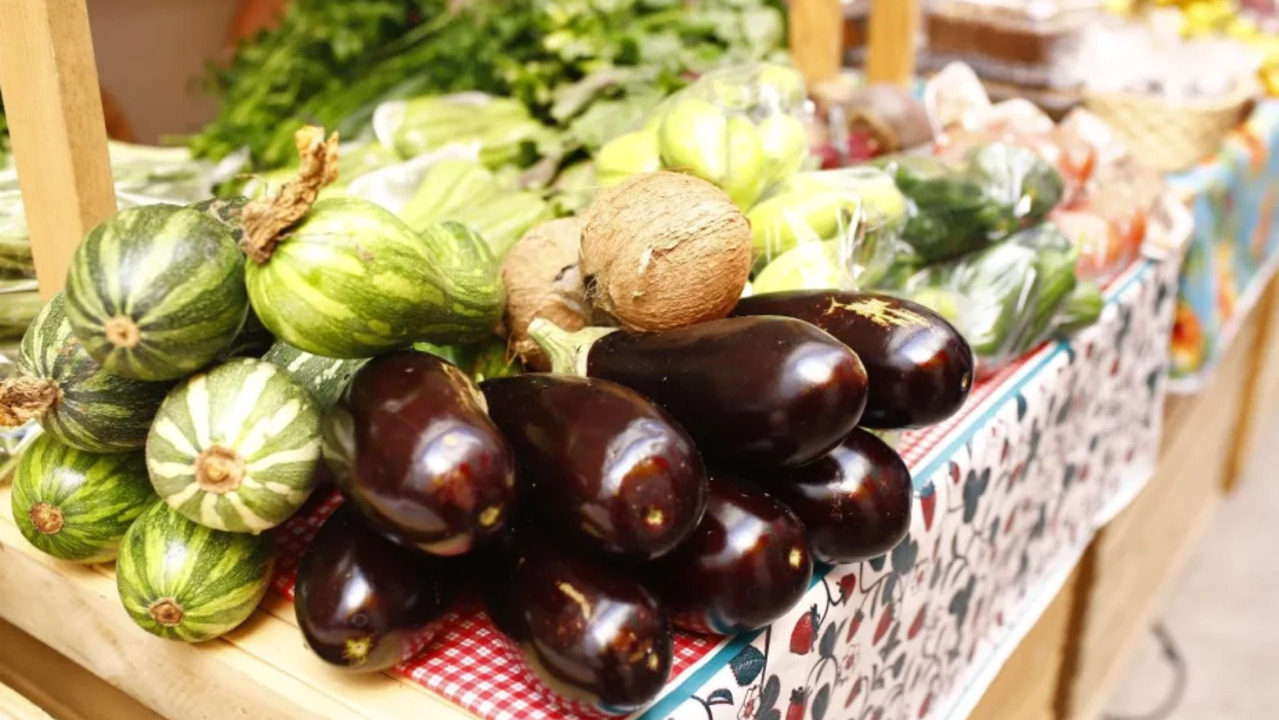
(157, 292)
(1081, 308)
(183, 581)
(351, 280)
(236, 448)
(324, 377)
(76, 505)
(73, 397)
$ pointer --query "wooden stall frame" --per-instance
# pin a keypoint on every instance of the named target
(57, 128)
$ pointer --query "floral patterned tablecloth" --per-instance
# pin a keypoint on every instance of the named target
(1008, 495)
(1235, 247)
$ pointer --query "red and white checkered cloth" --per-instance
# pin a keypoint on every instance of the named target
(472, 665)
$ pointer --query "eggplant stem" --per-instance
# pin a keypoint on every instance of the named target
(567, 351)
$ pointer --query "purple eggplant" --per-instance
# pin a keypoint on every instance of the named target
(746, 565)
(590, 633)
(855, 503)
(365, 603)
(412, 448)
(599, 463)
(920, 367)
(752, 391)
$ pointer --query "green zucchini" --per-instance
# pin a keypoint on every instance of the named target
(74, 398)
(157, 292)
(324, 377)
(351, 280)
(226, 211)
(236, 448)
(76, 505)
(183, 581)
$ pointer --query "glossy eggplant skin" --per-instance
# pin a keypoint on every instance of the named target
(412, 448)
(599, 463)
(920, 368)
(751, 391)
(590, 633)
(855, 503)
(363, 602)
(746, 565)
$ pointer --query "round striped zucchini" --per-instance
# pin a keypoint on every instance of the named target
(351, 281)
(69, 393)
(226, 211)
(324, 377)
(157, 292)
(236, 448)
(183, 581)
(76, 505)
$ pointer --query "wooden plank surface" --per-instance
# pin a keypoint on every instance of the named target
(52, 103)
(260, 670)
(1259, 397)
(890, 52)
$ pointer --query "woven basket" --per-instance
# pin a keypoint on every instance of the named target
(1172, 137)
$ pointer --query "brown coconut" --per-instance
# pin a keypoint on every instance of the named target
(543, 280)
(664, 250)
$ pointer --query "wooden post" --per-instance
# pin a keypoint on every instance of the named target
(51, 97)
(890, 55)
(817, 38)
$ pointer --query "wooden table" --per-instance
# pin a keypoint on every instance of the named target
(261, 670)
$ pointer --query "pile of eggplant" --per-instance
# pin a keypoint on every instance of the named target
(683, 479)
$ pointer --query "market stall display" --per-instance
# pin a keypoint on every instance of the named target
(770, 328)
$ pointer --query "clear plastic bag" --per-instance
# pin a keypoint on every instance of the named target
(1108, 195)
(743, 128)
(958, 207)
(827, 229)
(1008, 298)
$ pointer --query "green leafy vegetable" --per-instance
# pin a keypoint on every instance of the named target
(588, 67)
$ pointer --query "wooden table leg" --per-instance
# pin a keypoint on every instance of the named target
(890, 53)
(816, 38)
(1253, 395)
(54, 109)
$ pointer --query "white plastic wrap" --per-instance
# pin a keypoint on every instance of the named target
(742, 128)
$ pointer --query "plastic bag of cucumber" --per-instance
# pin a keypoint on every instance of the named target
(209, 367)
(968, 240)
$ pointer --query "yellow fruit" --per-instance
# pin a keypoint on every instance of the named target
(746, 162)
(785, 142)
(807, 266)
(626, 155)
(693, 137)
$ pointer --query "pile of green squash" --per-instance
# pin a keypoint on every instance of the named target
(179, 383)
